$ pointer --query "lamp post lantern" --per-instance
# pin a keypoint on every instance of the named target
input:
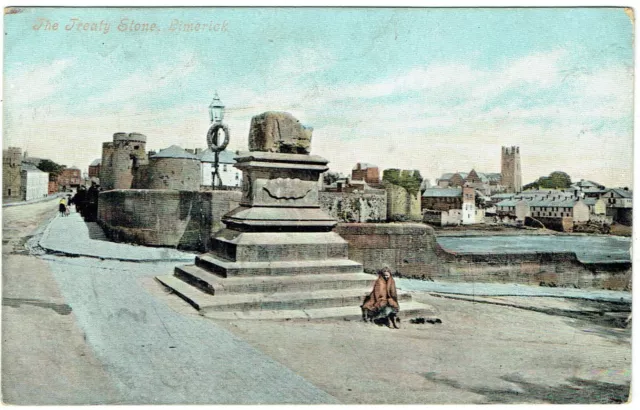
(216, 115)
(216, 110)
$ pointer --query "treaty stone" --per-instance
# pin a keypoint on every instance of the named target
(281, 132)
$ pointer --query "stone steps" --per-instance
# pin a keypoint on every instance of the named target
(407, 310)
(269, 301)
(226, 268)
(318, 304)
(216, 285)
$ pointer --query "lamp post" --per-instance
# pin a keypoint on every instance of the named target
(216, 115)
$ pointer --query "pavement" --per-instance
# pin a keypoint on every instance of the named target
(508, 289)
(72, 236)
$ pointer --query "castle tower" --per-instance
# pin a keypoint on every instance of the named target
(120, 158)
(510, 169)
(11, 178)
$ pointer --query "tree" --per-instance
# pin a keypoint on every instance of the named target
(408, 179)
(330, 177)
(555, 180)
(51, 167)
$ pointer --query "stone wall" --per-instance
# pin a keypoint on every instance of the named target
(181, 174)
(181, 219)
(556, 269)
(412, 250)
(401, 205)
(406, 248)
(355, 206)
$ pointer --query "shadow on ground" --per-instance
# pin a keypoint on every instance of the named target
(609, 320)
(95, 232)
(575, 391)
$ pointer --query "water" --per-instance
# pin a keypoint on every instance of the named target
(588, 249)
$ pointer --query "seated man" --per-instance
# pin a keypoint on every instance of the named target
(382, 303)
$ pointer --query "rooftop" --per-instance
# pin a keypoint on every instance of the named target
(96, 162)
(27, 166)
(174, 151)
(442, 192)
(364, 165)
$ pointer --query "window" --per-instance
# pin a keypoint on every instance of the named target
(237, 176)
(224, 168)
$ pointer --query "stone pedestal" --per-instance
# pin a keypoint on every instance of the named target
(279, 218)
(278, 256)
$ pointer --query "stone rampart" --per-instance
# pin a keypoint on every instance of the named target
(180, 219)
(355, 206)
(412, 250)
(555, 269)
(406, 248)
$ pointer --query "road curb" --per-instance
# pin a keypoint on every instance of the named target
(66, 252)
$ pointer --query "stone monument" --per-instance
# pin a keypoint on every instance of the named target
(278, 256)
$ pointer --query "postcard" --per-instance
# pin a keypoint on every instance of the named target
(317, 205)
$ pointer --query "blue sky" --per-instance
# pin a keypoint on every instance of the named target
(437, 90)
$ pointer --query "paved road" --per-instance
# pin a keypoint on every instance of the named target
(84, 331)
(157, 356)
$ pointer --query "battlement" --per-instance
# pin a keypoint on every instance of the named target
(131, 137)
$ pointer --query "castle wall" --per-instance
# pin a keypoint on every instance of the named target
(171, 218)
(182, 174)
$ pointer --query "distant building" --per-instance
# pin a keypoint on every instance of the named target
(35, 183)
(510, 169)
(229, 175)
(94, 168)
(368, 173)
(619, 203)
(11, 176)
(487, 183)
(69, 178)
(468, 205)
(442, 199)
(544, 207)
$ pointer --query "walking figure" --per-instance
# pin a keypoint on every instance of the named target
(62, 207)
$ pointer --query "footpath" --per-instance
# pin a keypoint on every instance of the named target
(511, 290)
(72, 236)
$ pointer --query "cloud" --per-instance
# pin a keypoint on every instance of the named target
(141, 83)
(35, 84)
(437, 118)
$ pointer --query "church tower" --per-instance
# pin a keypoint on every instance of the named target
(510, 169)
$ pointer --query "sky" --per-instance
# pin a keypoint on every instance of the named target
(438, 90)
